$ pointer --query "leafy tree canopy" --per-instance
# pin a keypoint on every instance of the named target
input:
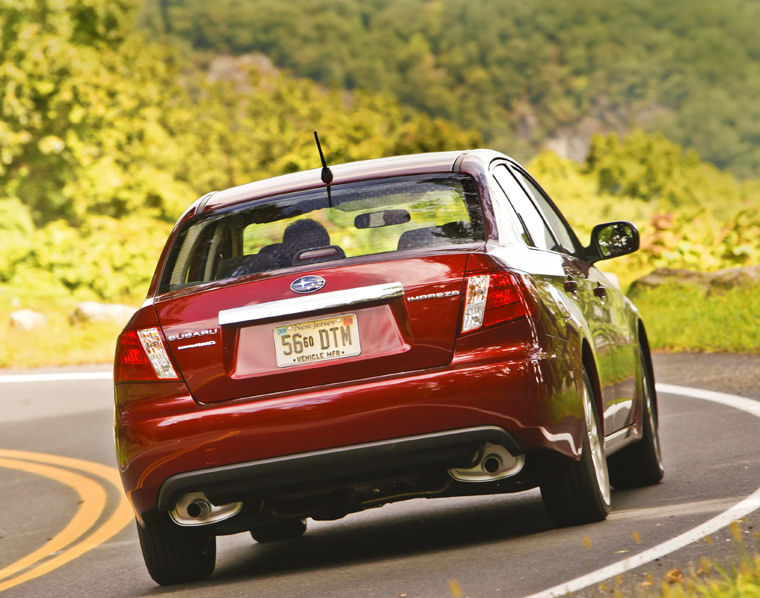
(525, 74)
(106, 137)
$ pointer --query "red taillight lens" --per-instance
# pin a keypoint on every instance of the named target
(494, 297)
(141, 355)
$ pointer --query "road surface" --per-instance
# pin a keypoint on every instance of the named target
(66, 530)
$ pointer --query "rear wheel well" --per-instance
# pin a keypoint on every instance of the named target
(589, 364)
(644, 343)
(647, 355)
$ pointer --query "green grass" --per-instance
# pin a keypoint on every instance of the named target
(688, 318)
(58, 342)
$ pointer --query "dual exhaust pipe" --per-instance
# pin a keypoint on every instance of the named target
(493, 462)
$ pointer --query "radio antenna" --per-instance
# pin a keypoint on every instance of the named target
(327, 175)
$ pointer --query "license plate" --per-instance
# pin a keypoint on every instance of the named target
(316, 340)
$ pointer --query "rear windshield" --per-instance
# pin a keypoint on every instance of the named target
(352, 220)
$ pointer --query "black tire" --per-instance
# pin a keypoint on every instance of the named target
(286, 529)
(174, 554)
(640, 464)
(577, 492)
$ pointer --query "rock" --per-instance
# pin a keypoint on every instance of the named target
(736, 277)
(662, 276)
(26, 319)
(708, 281)
(92, 311)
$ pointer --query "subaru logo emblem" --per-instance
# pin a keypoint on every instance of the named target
(307, 284)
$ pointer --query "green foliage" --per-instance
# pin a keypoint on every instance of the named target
(94, 119)
(689, 214)
(104, 258)
(651, 168)
(519, 72)
(16, 230)
(80, 111)
(257, 122)
(105, 138)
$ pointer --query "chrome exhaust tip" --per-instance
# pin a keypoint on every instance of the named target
(195, 509)
(494, 462)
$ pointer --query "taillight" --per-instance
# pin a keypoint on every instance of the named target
(141, 355)
(494, 297)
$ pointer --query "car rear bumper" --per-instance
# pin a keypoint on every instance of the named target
(230, 482)
(165, 439)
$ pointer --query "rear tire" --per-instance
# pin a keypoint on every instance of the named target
(286, 529)
(577, 492)
(174, 554)
(640, 464)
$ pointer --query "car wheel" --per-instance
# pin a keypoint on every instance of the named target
(280, 530)
(175, 555)
(577, 492)
(640, 464)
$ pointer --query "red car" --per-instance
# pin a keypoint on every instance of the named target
(415, 326)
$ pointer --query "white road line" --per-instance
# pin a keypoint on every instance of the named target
(744, 404)
(54, 377)
(739, 510)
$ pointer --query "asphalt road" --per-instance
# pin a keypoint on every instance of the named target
(61, 515)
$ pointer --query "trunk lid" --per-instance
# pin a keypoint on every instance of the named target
(260, 337)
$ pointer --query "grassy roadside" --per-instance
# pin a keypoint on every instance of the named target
(58, 342)
(688, 318)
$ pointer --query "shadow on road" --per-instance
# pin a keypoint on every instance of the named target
(389, 533)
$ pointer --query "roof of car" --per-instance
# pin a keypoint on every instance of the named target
(342, 173)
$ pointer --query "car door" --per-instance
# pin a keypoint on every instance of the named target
(602, 305)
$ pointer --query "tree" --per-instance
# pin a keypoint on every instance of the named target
(80, 110)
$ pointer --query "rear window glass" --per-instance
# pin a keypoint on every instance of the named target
(353, 220)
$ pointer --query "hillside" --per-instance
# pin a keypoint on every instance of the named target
(107, 137)
(545, 73)
(108, 133)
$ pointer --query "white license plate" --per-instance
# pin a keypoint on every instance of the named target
(316, 340)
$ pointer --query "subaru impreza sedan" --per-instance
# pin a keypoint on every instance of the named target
(415, 326)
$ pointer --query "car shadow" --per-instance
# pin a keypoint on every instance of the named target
(420, 526)
(398, 531)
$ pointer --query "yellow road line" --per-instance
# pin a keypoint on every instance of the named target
(109, 474)
(93, 498)
(92, 502)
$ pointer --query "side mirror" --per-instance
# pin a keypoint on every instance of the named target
(612, 239)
